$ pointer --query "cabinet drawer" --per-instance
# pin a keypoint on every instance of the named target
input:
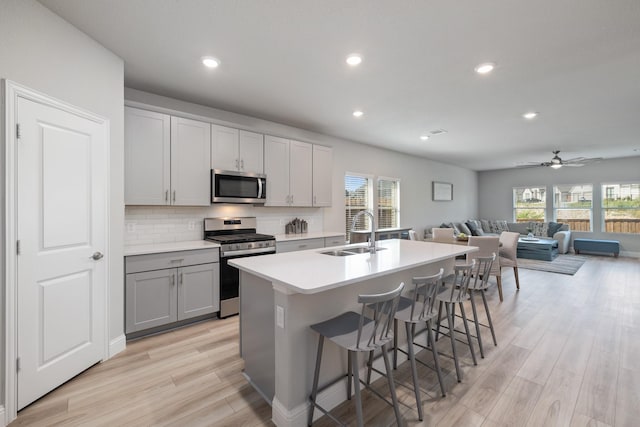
(139, 263)
(334, 241)
(299, 245)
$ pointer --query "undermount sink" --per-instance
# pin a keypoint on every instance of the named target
(337, 253)
(361, 250)
(349, 251)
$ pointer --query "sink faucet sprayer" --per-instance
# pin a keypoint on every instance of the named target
(372, 238)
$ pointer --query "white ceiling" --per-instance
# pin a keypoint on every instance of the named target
(577, 62)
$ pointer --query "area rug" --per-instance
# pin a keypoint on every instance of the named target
(563, 264)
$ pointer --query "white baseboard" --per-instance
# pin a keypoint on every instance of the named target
(630, 254)
(117, 345)
(3, 420)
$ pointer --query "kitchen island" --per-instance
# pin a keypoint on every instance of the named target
(282, 294)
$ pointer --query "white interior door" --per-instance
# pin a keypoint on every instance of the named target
(61, 224)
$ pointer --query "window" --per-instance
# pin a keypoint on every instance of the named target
(388, 203)
(573, 205)
(621, 208)
(358, 197)
(529, 204)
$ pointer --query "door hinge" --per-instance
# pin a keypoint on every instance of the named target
(17, 130)
(18, 247)
(18, 364)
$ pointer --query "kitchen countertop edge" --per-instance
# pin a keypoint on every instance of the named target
(157, 248)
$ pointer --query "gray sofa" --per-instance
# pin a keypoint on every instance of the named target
(542, 230)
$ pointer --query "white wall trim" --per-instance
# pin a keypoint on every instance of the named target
(117, 345)
(2, 416)
(13, 91)
(630, 254)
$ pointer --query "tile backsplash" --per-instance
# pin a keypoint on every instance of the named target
(160, 224)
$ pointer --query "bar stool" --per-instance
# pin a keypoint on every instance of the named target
(417, 309)
(480, 284)
(358, 333)
(456, 292)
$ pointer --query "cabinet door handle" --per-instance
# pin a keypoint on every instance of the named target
(242, 164)
(237, 166)
(166, 195)
(302, 246)
(173, 280)
(181, 278)
(174, 195)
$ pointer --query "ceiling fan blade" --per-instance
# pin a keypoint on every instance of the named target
(573, 165)
(530, 165)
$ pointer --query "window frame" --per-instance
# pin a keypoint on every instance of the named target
(556, 208)
(395, 207)
(514, 200)
(603, 209)
(370, 202)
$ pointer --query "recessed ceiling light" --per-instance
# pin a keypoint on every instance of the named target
(530, 115)
(358, 113)
(354, 59)
(424, 137)
(485, 68)
(210, 61)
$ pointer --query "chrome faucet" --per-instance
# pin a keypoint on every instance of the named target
(372, 238)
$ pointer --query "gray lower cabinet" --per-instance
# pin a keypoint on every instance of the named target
(171, 287)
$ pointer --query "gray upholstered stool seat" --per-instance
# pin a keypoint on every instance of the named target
(358, 333)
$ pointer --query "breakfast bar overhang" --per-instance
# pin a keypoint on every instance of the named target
(282, 294)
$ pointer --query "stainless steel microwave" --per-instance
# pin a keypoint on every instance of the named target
(238, 187)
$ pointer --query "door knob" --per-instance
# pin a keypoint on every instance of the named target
(96, 256)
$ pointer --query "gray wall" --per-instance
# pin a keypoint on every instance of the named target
(495, 192)
(40, 50)
(417, 208)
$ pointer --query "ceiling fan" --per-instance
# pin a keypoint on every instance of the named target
(556, 162)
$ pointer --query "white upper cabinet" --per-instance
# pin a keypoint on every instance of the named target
(322, 175)
(251, 152)
(224, 148)
(300, 173)
(166, 159)
(288, 166)
(276, 167)
(190, 171)
(235, 150)
(147, 138)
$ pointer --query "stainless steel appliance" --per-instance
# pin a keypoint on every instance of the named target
(238, 187)
(238, 238)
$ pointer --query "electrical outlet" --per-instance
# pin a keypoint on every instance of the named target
(280, 316)
(191, 225)
(131, 227)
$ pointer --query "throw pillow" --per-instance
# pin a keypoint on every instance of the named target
(456, 230)
(554, 227)
(540, 229)
(473, 227)
(463, 228)
(498, 227)
(486, 225)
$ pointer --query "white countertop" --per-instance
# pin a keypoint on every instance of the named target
(311, 235)
(310, 271)
(157, 248)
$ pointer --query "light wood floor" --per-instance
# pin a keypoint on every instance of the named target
(568, 355)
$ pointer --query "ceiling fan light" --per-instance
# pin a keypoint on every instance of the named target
(556, 165)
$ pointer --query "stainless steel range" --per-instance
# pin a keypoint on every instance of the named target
(238, 238)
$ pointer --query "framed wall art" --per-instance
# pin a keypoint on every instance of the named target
(442, 191)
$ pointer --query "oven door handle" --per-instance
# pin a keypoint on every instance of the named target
(233, 254)
(259, 188)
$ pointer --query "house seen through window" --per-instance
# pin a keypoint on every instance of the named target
(573, 205)
(529, 204)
